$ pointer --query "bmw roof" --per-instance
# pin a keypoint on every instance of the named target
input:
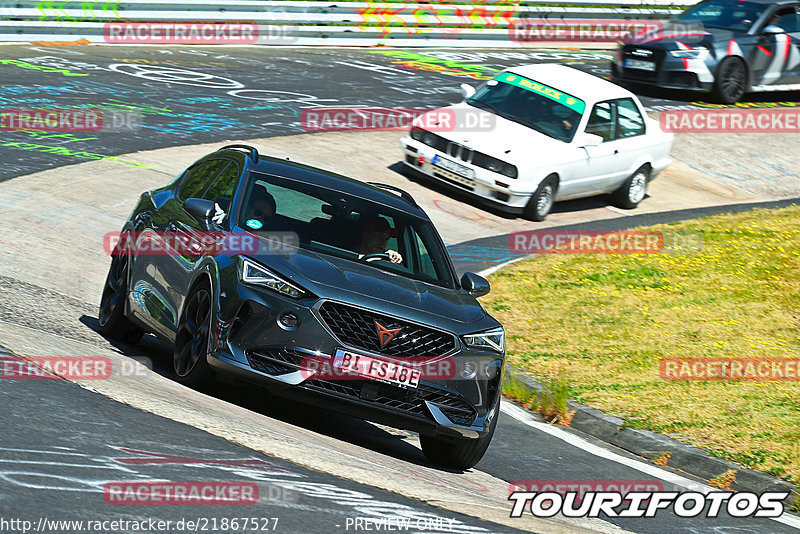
(574, 82)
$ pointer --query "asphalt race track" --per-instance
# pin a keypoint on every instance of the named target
(61, 442)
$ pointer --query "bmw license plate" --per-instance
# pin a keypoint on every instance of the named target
(639, 64)
(454, 167)
(376, 369)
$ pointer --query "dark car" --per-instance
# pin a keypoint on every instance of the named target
(727, 47)
(345, 298)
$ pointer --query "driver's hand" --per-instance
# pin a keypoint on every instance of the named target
(394, 256)
(566, 124)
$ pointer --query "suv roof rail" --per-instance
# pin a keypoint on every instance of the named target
(251, 150)
(405, 195)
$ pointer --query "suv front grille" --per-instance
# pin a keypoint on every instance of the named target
(357, 328)
(275, 361)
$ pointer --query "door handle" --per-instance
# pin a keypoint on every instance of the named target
(616, 151)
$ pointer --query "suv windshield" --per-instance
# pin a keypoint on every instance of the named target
(336, 224)
(532, 104)
(723, 14)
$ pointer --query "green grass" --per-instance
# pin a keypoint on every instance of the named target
(729, 286)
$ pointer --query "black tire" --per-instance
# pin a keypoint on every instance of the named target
(541, 201)
(111, 317)
(189, 356)
(459, 453)
(633, 191)
(731, 81)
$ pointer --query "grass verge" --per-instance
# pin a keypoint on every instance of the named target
(605, 322)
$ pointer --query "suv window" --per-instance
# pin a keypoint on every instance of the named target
(629, 121)
(601, 121)
(222, 190)
(198, 180)
(332, 223)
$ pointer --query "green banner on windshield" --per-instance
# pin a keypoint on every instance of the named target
(575, 104)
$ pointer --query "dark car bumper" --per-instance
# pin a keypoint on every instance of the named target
(671, 73)
(252, 346)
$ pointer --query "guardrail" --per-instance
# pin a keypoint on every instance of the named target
(317, 22)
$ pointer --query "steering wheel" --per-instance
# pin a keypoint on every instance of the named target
(375, 256)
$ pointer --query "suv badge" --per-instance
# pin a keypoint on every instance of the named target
(385, 335)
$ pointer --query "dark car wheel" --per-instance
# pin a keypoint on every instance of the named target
(191, 342)
(111, 315)
(731, 81)
(541, 202)
(460, 453)
(632, 192)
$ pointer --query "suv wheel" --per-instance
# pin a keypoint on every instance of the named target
(191, 342)
(632, 192)
(541, 201)
(459, 453)
(111, 315)
(731, 82)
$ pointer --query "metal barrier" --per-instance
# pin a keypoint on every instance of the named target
(317, 22)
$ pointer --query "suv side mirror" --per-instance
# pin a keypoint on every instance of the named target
(199, 208)
(772, 30)
(467, 89)
(588, 139)
(475, 285)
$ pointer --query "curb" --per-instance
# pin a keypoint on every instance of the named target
(650, 445)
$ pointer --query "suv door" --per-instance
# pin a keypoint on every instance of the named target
(161, 275)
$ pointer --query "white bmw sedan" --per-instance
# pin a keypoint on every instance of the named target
(537, 134)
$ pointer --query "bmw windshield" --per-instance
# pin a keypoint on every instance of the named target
(332, 223)
(723, 15)
(532, 104)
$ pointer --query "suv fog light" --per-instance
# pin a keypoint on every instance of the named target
(288, 321)
(469, 370)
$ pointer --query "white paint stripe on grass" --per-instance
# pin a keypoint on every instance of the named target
(524, 417)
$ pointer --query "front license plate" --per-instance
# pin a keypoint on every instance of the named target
(639, 64)
(452, 166)
(376, 369)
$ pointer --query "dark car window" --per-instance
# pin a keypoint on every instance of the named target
(222, 190)
(197, 181)
(786, 19)
(601, 121)
(733, 15)
(333, 223)
(629, 121)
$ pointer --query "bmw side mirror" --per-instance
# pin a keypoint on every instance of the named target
(588, 139)
(199, 208)
(772, 30)
(468, 90)
(475, 285)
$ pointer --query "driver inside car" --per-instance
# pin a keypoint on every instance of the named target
(375, 239)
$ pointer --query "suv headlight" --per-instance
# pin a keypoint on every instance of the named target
(253, 273)
(494, 339)
(694, 53)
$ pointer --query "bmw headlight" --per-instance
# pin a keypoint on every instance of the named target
(253, 273)
(494, 339)
(509, 170)
(692, 53)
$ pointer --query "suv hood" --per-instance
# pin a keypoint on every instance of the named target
(332, 277)
(674, 32)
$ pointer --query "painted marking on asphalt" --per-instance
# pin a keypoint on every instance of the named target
(621, 212)
(523, 417)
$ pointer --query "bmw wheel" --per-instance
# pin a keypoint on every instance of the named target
(191, 342)
(542, 200)
(111, 315)
(731, 81)
(633, 190)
